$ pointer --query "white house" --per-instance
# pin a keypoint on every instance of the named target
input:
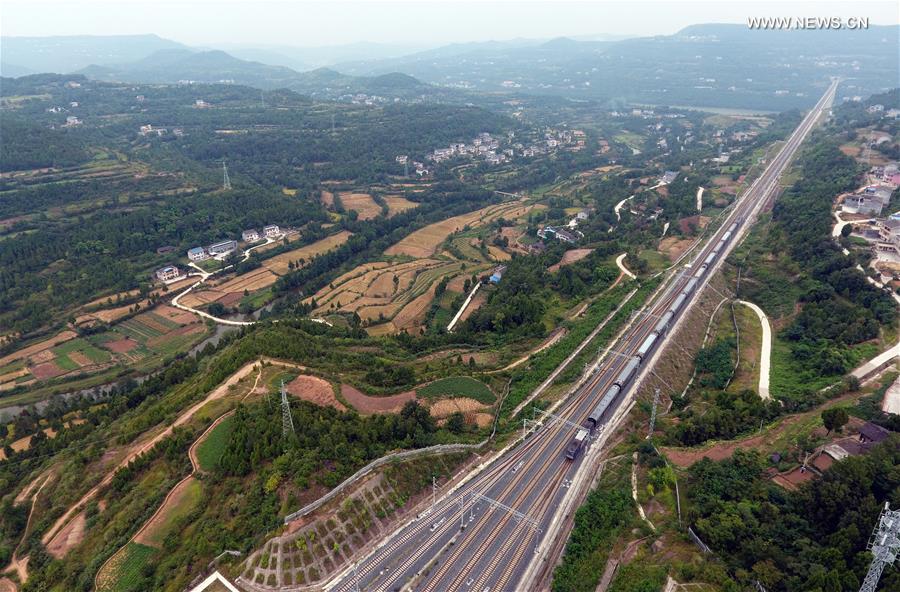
(168, 273)
(272, 231)
(197, 254)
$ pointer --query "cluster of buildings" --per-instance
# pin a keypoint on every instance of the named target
(560, 234)
(870, 199)
(495, 151)
(482, 146)
(224, 247)
(419, 167)
(824, 457)
(149, 130)
(364, 99)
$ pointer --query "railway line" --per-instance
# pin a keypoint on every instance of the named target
(484, 535)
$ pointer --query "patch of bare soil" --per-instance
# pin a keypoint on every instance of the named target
(366, 404)
(315, 390)
(70, 536)
(569, 257)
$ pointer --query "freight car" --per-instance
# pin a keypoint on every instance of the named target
(606, 406)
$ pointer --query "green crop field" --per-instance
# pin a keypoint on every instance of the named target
(96, 355)
(210, 450)
(127, 571)
(458, 386)
(186, 502)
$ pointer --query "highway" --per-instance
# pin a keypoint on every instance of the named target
(486, 534)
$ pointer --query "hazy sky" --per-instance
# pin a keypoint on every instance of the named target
(300, 23)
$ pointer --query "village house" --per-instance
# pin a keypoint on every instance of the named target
(668, 177)
(222, 247)
(271, 231)
(168, 273)
(250, 236)
(197, 254)
(862, 204)
(497, 274)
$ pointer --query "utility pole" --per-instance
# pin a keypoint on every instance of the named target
(287, 422)
(884, 544)
(653, 412)
(355, 577)
(433, 491)
(226, 182)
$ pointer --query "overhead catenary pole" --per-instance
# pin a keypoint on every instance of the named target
(653, 412)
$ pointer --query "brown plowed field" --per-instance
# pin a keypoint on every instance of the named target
(37, 347)
(363, 203)
(569, 257)
(252, 280)
(366, 404)
(425, 241)
(397, 204)
(47, 370)
(121, 346)
(315, 390)
(446, 407)
(279, 263)
(413, 314)
(182, 317)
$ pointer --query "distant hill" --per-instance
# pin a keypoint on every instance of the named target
(174, 65)
(179, 65)
(68, 54)
(707, 65)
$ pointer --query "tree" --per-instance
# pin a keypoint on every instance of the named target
(456, 423)
(835, 418)
(846, 230)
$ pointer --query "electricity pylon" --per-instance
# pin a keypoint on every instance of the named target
(884, 544)
(287, 422)
(226, 182)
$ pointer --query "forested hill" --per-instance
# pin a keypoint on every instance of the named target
(114, 195)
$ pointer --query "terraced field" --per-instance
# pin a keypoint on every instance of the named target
(425, 241)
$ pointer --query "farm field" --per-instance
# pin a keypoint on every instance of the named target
(162, 332)
(210, 450)
(179, 503)
(279, 263)
(398, 204)
(425, 241)
(124, 569)
(457, 386)
(363, 203)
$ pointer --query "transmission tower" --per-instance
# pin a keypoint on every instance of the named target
(653, 412)
(884, 544)
(287, 422)
(226, 182)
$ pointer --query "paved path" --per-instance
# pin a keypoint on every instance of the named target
(839, 225)
(205, 275)
(765, 354)
(620, 261)
(700, 199)
(891, 403)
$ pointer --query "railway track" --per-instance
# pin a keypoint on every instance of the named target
(490, 553)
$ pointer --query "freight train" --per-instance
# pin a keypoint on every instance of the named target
(605, 407)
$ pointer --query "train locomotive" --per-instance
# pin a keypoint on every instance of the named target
(606, 407)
